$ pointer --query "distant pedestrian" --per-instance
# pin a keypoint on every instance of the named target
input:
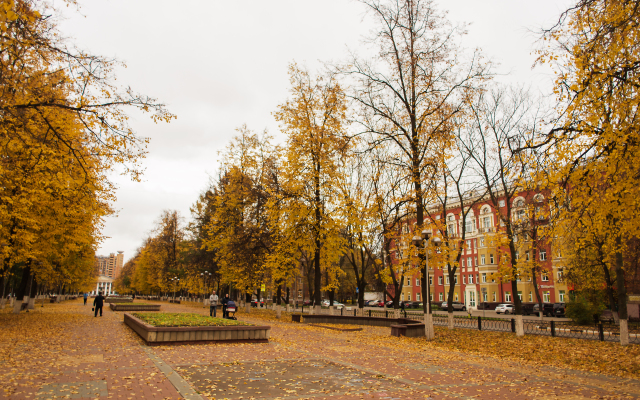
(133, 297)
(98, 302)
(213, 304)
(225, 301)
(402, 305)
(86, 295)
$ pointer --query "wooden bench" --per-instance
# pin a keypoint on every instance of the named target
(607, 316)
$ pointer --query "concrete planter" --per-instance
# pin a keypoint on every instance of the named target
(118, 300)
(399, 326)
(134, 307)
(197, 334)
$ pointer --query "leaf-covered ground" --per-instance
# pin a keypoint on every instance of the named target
(184, 319)
(586, 355)
(63, 351)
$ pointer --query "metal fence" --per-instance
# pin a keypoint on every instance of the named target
(601, 331)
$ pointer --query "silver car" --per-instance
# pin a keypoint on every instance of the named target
(505, 308)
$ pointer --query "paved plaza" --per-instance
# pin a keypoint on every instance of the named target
(62, 351)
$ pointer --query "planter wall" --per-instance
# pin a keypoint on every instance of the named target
(197, 334)
(118, 300)
(351, 320)
(134, 307)
(410, 330)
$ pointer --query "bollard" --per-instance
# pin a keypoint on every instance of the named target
(479, 323)
(342, 311)
(601, 332)
(355, 310)
(369, 313)
(513, 325)
(553, 328)
(386, 314)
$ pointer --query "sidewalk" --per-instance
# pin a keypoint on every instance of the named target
(62, 351)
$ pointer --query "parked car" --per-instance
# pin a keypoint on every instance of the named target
(558, 310)
(457, 306)
(410, 304)
(487, 306)
(505, 308)
(307, 303)
(547, 309)
(254, 303)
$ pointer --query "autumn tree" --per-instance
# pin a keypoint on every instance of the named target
(313, 120)
(594, 49)
(409, 94)
(504, 122)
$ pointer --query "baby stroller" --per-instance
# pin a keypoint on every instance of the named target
(231, 310)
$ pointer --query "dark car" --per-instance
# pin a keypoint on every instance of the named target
(410, 304)
(558, 310)
(547, 309)
(254, 303)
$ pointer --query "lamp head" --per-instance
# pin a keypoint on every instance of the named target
(416, 240)
(437, 241)
(426, 234)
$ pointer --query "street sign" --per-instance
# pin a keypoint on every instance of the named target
(263, 288)
(357, 290)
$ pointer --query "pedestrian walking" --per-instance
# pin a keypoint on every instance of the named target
(213, 304)
(98, 302)
(133, 297)
(225, 301)
(86, 296)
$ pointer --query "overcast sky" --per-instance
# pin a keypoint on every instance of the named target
(220, 64)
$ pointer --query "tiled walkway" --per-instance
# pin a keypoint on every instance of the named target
(87, 357)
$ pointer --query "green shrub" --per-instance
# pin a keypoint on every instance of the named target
(582, 311)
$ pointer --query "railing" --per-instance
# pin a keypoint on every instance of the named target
(602, 331)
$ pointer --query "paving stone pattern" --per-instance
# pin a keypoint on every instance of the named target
(102, 358)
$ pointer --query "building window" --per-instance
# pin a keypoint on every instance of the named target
(446, 279)
(530, 297)
(491, 258)
(452, 230)
(546, 297)
(471, 279)
(482, 242)
(561, 296)
(517, 256)
(430, 297)
(409, 282)
(430, 281)
(484, 278)
(408, 296)
(545, 277)
(455, 279)
(494, 296)
(543, 255)
(507, 296)
(472, 299)
(484, 297)
(402, 297)
(464, 280)
(559, 276)
(456, 297)
(486, 222)
(469, 263)
(520, 295)
(501, 203)
(440, 296)
(482, 259)
(526, 253)
(439, 280)
(418, 296)
(470, 224)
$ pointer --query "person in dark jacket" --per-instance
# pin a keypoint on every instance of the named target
(86, 295)
(98, 302)
(224, 302)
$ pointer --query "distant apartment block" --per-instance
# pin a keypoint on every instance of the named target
(109, 266)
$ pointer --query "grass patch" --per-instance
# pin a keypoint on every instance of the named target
(184, 319)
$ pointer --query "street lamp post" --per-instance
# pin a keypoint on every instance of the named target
(428, 320)
(175, 280)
